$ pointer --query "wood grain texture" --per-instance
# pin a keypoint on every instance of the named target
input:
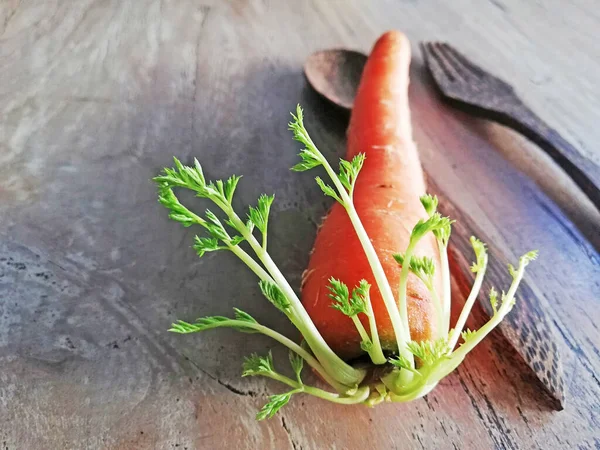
(95, 98)
(527, 328)
(470, 88)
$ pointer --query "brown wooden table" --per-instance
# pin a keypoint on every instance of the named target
(96, 96)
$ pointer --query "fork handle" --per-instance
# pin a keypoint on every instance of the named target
(584, 172)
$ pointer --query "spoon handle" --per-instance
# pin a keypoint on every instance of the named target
(584, 172)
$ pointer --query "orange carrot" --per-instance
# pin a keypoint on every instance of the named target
(386, 197)
(381, 211)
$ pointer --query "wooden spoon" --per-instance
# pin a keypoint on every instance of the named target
(335, 74)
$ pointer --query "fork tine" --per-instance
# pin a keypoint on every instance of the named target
(442, 72)
(448, 65)
(461, 73)
(431, 63)
(436, 70)
(463, 61)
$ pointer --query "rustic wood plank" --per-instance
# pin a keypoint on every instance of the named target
(527, 328)
(96, 97)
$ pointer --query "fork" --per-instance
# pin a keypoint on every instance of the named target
(467, 86)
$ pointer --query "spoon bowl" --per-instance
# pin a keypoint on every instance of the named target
(335, 74)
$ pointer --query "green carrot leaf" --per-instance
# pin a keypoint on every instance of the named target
(200, 325)
(197, 173)
(366, 346)
(259, 216)
(219, 186)
(215, 227)
(276, 402)
(422, 266)
(309, 161)
(206, 323)
(225, 189)
(340, 295)
(236, 240)
(467, 335)
(349, 171)
(524, 261)
(182, 327)
(512, 271)
(311, 157)
(528, 257)
(230, 186)
(297, 363)
(429, 351)
(437, 224)
(360, 296)
(296, 126)
(401, 362)
(193, 178)
(350, 305)
(430, 203)
(328, 190)
(272, 292)
(177, 211)
(494, 299)
(243, 316)
(480, 255)
(255, 365)
(205, 244)
(185, 177)
(399, 257)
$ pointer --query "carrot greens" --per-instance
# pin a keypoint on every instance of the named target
(415, 368)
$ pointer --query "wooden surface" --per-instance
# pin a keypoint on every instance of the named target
(468, 87)
(95, 98)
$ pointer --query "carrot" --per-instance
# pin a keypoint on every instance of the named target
(348, 303)
(386, 198)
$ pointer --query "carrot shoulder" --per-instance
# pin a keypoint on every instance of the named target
(386, 197)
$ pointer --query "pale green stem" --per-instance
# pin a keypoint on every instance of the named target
(439, 312)
(199, 220)
(446, 292)
(432, 374)
(402, 304)
(377, 353)
(413, 389)
(479, 335)
(376, 358)
(397, 382)
(262, 274)
(504, 309)
(361, 329)
(401, 333)
(377, 396)
(462, 319)
(333, 364)
(310, 359)
(359, 396)
(250, 262)
(413, 395)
